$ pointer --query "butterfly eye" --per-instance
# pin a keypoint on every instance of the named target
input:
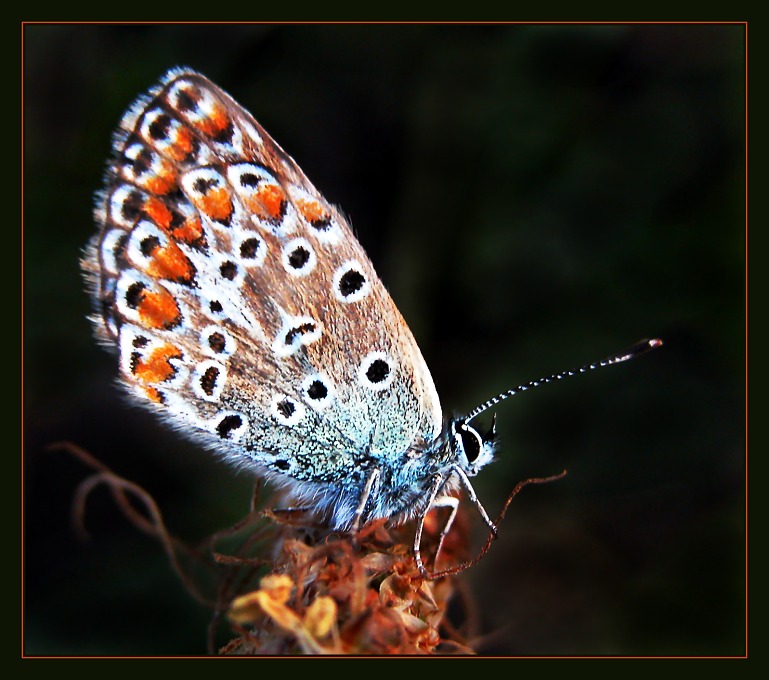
(469, 441)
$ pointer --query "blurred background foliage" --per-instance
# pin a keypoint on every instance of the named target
(534, 197)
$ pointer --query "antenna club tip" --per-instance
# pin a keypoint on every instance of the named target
(655, 342)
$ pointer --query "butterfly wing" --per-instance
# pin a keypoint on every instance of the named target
(244, 310)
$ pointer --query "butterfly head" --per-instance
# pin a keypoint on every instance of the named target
(473, 449)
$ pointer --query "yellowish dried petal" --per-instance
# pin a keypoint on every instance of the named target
(245, 609)
(284, 616)
(277, 586)
(320, 616)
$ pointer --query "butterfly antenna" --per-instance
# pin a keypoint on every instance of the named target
(630, 353)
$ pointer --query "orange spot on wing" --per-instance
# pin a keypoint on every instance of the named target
(215, 122)
(153, 394)
(163, 182)
(157, 366)
(159, 309)
(312, 211)
(189, 231)
(158, 212)
(169, 262)
(272, 199)
(182, 145)
(216, 203)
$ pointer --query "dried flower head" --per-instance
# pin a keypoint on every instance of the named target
(333, 595)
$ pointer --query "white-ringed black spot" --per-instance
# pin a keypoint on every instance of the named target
(208, 380)
(227, 425)
(185, 102)
(217, 342)
(250, 180)
(203, 185)
(378, 371)
(132, 206)
(296, 332)
(148, 245)
(135, 294)
(228, 270)
(351, 282)
(249, 248)
(215, 306)
(140, 341)
(321, 223)
(159, 127)
(298, 257)
(317, 390)
(286, 408)
(142, 162)
(292, 333)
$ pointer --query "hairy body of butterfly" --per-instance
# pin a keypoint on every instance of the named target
(247, 315)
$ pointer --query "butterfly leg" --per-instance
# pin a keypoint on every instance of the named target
(365, 495)
(438, 482)
(445, 502)
(474, 498)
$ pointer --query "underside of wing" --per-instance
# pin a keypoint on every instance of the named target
(242, 306)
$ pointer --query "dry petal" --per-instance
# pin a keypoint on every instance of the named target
(320, 616)
(245, 609)
(413, 624)
(278, 612)
(394, 592)
(277, 586)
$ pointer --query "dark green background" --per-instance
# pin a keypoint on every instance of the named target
(534, 197)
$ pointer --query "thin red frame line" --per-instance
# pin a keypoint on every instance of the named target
(746, 340)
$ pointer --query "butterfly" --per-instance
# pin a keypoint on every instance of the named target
(246, 314)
